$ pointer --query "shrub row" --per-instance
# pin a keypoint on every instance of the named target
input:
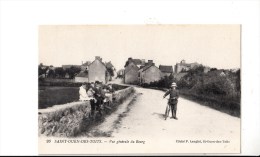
(224, 104)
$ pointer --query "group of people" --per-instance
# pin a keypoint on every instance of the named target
(97, 93)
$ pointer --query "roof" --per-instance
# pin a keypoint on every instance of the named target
(166, 68)
(99, 61)
(82, 74)
(86, 63)
(137, 61)
(128, 67)
(147, 67)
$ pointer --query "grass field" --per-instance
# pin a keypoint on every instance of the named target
(49, 96)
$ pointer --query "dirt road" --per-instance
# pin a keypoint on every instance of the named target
(146, 119)
(199, 124)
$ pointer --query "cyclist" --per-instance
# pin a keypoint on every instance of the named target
(173, 100)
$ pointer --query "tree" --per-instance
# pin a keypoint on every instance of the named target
(51, 73)
(213, 69)
(72, 71)
(60, 72)
(41, 70)
(110, 71)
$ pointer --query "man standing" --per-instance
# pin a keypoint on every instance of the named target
(173, 100)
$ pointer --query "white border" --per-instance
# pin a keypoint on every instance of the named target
(19, 54)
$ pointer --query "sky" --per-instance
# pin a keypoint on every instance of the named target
(216, 46)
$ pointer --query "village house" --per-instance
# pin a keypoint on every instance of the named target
(97, 71)
(149, 73)
(131, 73)
(183, 66)
(166, 70)
(120, 73)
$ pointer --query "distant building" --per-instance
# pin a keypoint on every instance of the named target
(120, 73)
(131, 73)
(166, 70)
(81, 77)
(97, 71)
(183, 66)
(149, 73)
(137, 71)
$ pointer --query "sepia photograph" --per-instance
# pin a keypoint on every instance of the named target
(129, 78)
(139, 89)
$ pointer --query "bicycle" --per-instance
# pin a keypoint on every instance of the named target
(168, 108)
(101, 108)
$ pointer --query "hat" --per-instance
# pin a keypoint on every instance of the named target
(174, 84)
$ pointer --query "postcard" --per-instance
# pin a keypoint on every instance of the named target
(139, 89)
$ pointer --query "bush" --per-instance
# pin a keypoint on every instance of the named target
(163, 83)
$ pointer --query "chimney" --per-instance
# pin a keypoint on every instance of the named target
(143, 61)
(150, 61)
(98, 57)
(81, 62)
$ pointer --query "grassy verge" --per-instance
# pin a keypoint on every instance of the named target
(73, 121)
(222, 104)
